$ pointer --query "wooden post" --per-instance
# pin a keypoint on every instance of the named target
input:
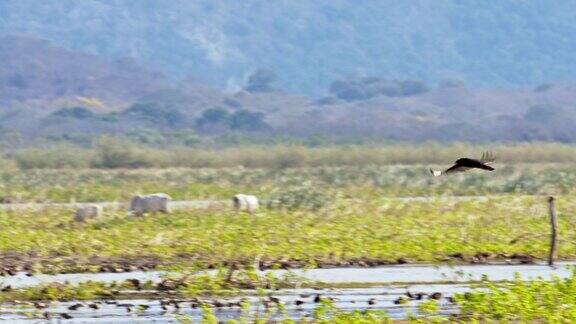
(553, 232)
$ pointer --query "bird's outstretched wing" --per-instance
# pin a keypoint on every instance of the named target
(487, 158)
(465, 164)
(456, 168)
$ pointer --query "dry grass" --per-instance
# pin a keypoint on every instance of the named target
(112, 153)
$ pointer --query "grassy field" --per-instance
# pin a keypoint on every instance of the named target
(368, 182)
(347, 231)
(310, 216)
(112, 153)
(317, 216)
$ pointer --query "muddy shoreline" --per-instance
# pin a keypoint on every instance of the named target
(11, 263)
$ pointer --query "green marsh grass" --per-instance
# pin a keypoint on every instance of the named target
(348, 230)
(89, 185)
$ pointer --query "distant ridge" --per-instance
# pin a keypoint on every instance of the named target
(36, 69)
(309, 44)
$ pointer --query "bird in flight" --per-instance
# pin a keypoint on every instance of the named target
(465, 164)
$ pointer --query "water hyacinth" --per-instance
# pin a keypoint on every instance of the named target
(534, 301)
(366, 228)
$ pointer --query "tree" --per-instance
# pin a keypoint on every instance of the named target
(543, 87)
(349, 90)
(413, 87)
(215, 115)
(155, 112)
(261, 81)
(247, 120)
(354, 89)
(543, 114)
(74, 112)
(451, 83)
(115, 153)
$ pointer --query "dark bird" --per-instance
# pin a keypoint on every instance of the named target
(274, 299)
(135, 283)
(436, 295)
(465, 164)
(66, 316)
(75, 307)
(94, 306)
(400, 301)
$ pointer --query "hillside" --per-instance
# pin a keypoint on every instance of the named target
(309, 44)
(46, 90)
(51, 93)
(35, 69)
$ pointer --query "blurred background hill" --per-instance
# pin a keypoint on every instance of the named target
(341, 71)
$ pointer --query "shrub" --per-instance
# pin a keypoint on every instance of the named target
(58, 157)
(365, 88)
(75, 113)
(544, 114)
(115, 153)
(304, 197)
(413, 87)
(247, 120)
(215, 115)
(261, 81)
(155, 112)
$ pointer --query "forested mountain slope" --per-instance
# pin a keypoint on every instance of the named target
(309, 44)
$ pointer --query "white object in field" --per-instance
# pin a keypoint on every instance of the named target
(86, 212)
(152, 203)
(248, 203)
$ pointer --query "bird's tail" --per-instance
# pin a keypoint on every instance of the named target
(436, 173)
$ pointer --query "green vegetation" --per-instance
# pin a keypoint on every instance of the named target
(319, 208)
(59, 292)
(145, 150)
(74, 112)
(290, 187)
(155, 113)
(309, 215)
(353, 89)
(366, 231)
(536, 301)
(239, 120)
(181, 283)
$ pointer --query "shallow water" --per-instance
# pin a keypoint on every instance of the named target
(427, 273)
(378, 275)
(405, 278)
(344, 299)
